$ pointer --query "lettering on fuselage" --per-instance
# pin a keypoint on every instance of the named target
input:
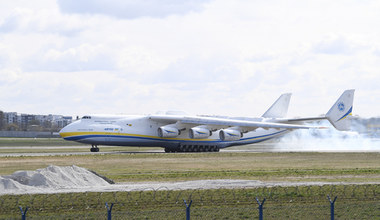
(85, 129)
(105, 122)
(113, 129)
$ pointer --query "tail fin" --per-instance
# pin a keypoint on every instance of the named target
(279, 109)
(339, 113)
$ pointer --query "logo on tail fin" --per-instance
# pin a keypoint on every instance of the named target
(341, 106)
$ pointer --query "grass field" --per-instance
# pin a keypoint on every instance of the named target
(307, 202)
(53, 145)
(140, 164)
(353, 167)
(30, 142)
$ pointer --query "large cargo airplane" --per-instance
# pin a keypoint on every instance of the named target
(184, 133)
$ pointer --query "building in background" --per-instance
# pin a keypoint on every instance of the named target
(13, 121)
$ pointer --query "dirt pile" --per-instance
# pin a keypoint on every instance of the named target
(52, 177)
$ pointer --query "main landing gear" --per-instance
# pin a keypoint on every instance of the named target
(193, 148)
(94, 148)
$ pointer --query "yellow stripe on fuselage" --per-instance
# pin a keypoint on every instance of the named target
(80, 133)
(84, 133)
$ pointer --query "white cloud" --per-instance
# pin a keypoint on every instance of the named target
(131, 9)
(84, 57)
(44, 21)
(341, 45)
(218, 57)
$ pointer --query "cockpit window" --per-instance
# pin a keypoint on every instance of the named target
(86, 117)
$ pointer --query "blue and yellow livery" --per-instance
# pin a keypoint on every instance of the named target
(184, 133)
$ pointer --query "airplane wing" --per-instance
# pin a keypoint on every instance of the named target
(291, 120)
(223, 123)
(337, 115)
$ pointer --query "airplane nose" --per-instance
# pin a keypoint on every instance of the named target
(62, 131)
(68, 130)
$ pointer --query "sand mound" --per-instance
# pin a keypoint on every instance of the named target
(50, 178)
(71, 179)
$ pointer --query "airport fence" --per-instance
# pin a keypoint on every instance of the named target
(302, 202)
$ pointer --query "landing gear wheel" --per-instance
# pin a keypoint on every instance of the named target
(181, 148)
(196, 148)
(169, 150)
(94, 148)
(215, 149)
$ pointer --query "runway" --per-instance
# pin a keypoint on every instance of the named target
(298, 141)
(103, 151)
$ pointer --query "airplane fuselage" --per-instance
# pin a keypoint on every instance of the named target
(186, 133)
(142, 131)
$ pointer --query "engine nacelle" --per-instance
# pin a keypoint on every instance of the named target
(230, 135)
(199, 133)
(168, 132)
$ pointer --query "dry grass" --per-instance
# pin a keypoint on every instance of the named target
(360, 167)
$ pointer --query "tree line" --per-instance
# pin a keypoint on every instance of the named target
(29, 125)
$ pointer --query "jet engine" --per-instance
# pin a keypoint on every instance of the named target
(199, 133)
(230, 135)
(168, 132)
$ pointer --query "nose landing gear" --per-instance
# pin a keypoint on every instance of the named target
(94, 148)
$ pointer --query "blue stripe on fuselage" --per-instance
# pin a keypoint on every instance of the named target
(245, 140)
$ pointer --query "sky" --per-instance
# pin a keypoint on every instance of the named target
(211, 57)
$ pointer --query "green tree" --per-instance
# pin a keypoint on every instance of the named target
(34, 122)
(12, 127)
